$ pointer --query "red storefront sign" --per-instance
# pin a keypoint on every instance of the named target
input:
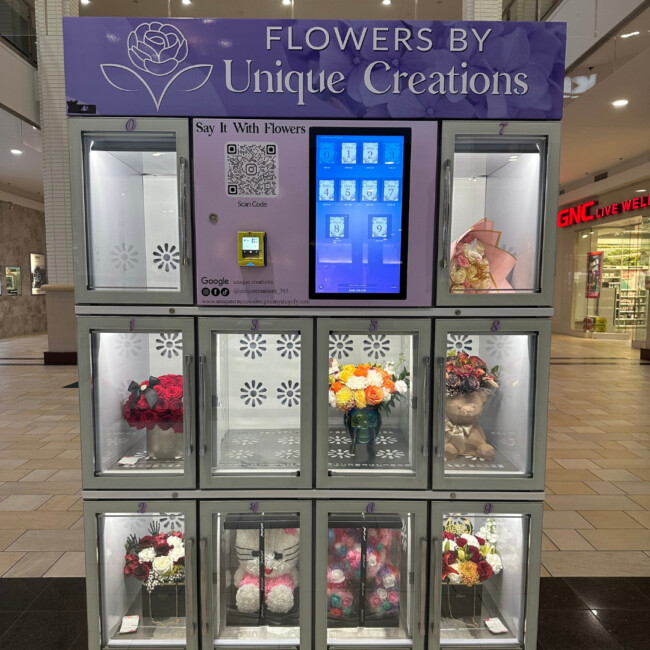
(588, 211)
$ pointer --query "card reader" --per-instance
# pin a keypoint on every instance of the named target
(251, 248)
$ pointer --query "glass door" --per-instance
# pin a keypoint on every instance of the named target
(256, 402)
(372, 413)
(499, 198)
(140, 574)
(136, 398)
(256, 581)
(484, 574)
(491, 396)
(131, 210)
(370, 574)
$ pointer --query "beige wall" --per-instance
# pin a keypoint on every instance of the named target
(22, 231)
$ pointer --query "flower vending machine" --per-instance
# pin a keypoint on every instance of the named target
(314, 266)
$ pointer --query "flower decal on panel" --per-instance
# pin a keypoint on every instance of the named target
(289, 440)
(288, 454)
(390, 454)
(376, 346)
(253, 393)
(166, 257)
(252, 345)
(289, 393)
(169, 344)
(386, 440)
(246, 441)
(157, 50)
(171, 522)
(239, 454)
(288, 345)
(124, 256)
(340, 346)
(499, 347)
(340, 453)
(338, 440)
(128, 345)
(460, 343)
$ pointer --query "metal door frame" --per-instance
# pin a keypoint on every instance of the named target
(421, 436)
(90, 479)
(77, 127)
(539, 391)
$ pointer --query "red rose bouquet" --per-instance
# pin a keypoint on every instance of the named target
(156, 402)
(156, 559)
(466, 374)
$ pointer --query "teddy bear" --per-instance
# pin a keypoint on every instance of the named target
(281, 554)
(464, 436)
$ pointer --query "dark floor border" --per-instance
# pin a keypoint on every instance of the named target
(574, 613)
(60, 358)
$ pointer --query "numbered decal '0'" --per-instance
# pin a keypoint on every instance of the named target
(488, 508)
(131, 124)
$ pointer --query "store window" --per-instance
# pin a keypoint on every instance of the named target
(610, 276)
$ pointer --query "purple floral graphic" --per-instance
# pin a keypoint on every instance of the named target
(157, 48)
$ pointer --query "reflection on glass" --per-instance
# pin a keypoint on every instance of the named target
(142, 573)
(484, 562)
(132, 211)
(489, 403)
(256, 402)
(368, 563)
(496, 214)
(371, 421)
(138, 402)
(256, 588)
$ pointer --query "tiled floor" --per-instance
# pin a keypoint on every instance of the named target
(597, 510)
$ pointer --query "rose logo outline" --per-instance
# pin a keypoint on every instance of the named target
(157, 49)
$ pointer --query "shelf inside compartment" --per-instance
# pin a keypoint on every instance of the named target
(144, 463)
(501, 464)
(391, 451)
(259, 449)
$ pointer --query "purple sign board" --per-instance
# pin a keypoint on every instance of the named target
(314, 69)
(252, 181)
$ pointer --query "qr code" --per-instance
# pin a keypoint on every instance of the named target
(251, 169)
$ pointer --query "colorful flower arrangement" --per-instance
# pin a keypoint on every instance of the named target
(470, 559)
(156, 402)
(156, 559)
(466, 374)
(470, 269)
(382, 589)
(477, 262)
(367, 384)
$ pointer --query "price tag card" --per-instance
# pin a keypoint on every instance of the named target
(495, 625)
(129, 461)
(129, 624)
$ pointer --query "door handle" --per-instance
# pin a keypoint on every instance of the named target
(188, 412)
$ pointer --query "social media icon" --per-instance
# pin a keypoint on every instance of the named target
(225, 292)
(215, 291)
(205, 291)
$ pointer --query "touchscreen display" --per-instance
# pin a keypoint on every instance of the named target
(358, 210)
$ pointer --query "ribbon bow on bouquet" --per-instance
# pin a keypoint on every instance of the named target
(458, 434)
(137, 390)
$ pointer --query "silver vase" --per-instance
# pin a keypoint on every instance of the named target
(164, 445)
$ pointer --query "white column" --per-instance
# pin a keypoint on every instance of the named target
(56, 171)
(482, 9)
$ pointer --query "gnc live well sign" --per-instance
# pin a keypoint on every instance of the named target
(588, 211)
(305, 69)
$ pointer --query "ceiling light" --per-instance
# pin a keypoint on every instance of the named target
(630, 34)
(187, 2)
(641, 190)
(385, 2)
(286, 3)
(620, 102)
(85, 2)
(16, 152)
(584, 236)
